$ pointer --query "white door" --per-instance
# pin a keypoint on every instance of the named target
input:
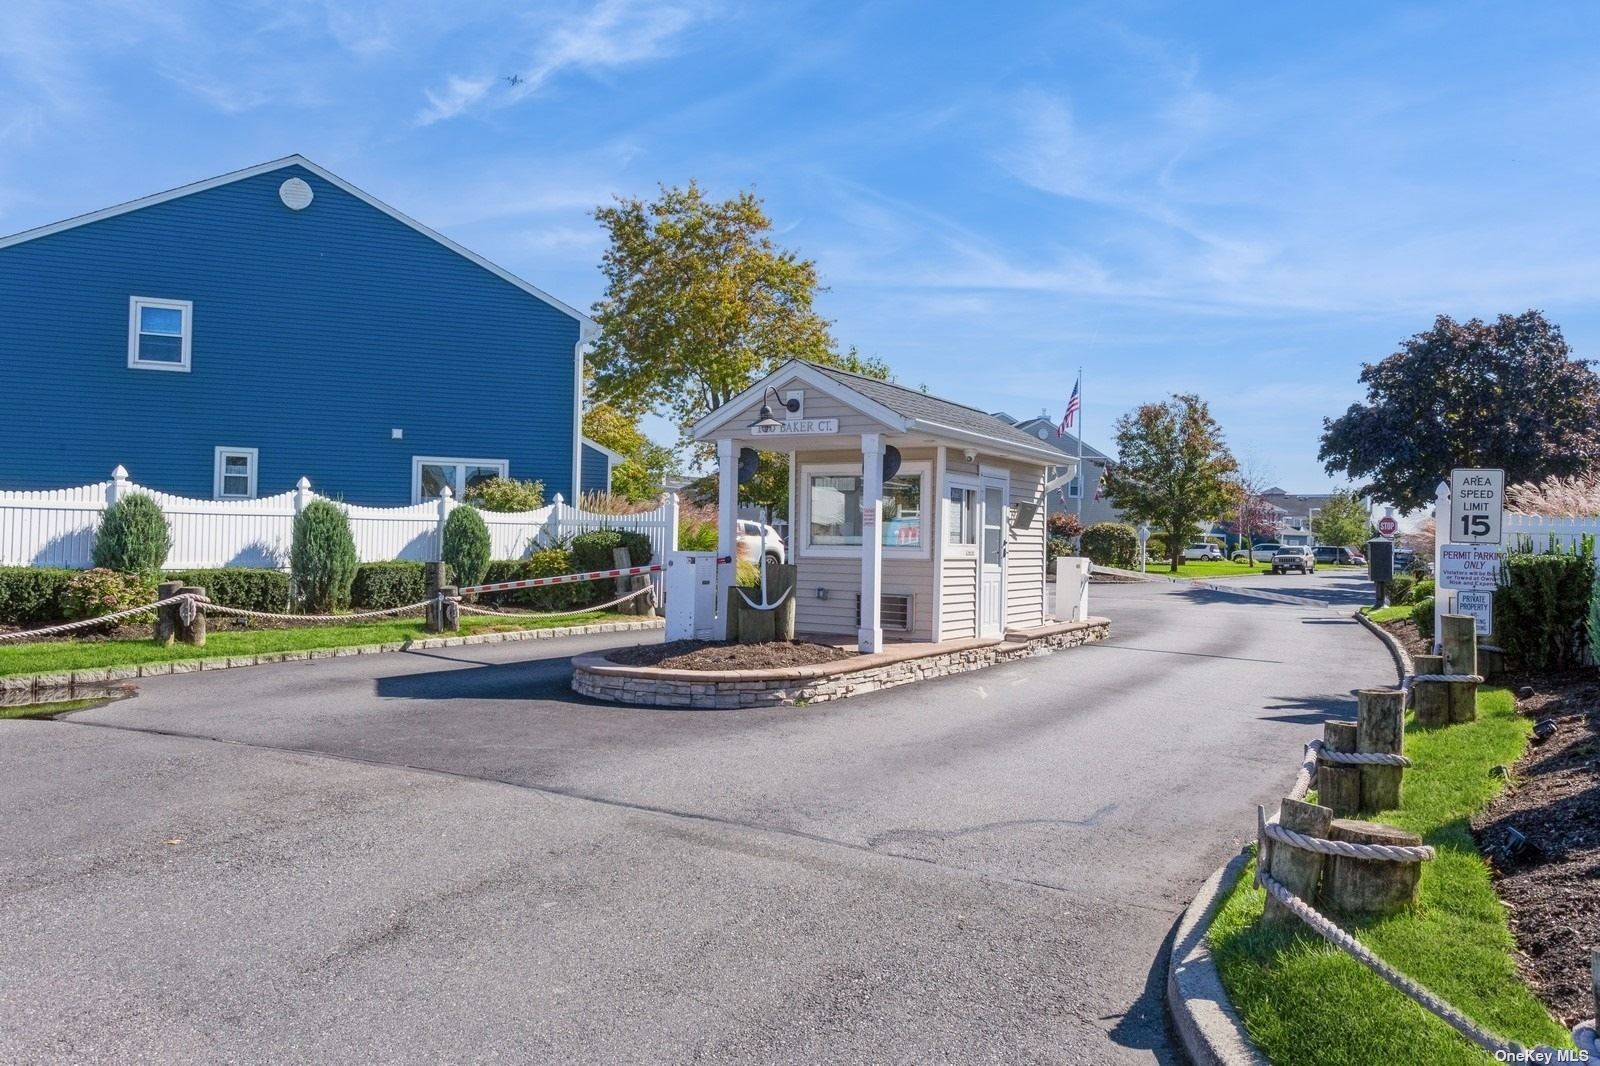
(992, 560)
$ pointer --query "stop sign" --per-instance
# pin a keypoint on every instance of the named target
(1387, 526)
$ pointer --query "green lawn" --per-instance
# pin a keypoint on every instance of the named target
(1388, 614)
(1200, 569)
(1306, 1002)
(57, 657)
(48, 710)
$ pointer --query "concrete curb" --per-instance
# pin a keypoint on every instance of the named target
(1397, 651)
(1210, 1030)
(23, 688)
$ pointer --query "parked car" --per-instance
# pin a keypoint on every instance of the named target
(1203, 551)
(750, 543)
(1329, 555)
(1409, 562)
(1261, 553)
(1294, 557)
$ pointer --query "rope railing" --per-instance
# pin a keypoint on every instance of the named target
(467, 608)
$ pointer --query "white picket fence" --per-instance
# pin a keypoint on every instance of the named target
(1568, 532)
(57, 527)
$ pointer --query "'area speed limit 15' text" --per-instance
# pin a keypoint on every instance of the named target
(1477, 501)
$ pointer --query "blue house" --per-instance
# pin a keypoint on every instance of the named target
(226, 338)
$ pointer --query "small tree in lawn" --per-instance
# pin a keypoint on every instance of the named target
(322, 559)
(1343, 521)
(1172, 469)
(133, 537)
(466, 545)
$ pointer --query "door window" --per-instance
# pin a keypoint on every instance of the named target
(993, 524)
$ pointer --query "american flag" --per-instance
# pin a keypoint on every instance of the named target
(1072, 407)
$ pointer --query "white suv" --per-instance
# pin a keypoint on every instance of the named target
(750, 543)
(1203, 552)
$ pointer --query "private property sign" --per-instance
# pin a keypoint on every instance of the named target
(1469, 567)
(1477, 503)
(1480, 605)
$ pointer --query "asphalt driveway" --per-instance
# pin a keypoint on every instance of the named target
(444, 855)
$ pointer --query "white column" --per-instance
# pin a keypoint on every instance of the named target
(119, 485)
(1441, 534)
(727, 527)
(869, 637)
(446, 505)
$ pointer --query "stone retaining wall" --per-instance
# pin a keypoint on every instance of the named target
(595, 675)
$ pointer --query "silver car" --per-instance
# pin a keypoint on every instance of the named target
(1294, 557)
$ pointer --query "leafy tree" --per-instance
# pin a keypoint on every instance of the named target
(1172, 470)
(505, 495)
(648, 464)
(1343, 521)
(699, 302)
(1506, 393)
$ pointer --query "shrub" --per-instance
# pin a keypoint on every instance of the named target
(379, 586)
(1055, 548)
(31, 595)
(545, 562)
(322, 560)
(1064, 524)
(1111, 544)
(503, 494)
(101, 591)
(466, 545)
(592, 551)
(251, 588)
(1402, 589)
(133, 537)
(1541, 611)
(1422, 617)
(697, 536)
(1156, 548)
(1423, 589)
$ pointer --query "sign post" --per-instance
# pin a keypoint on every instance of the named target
(1466, 550)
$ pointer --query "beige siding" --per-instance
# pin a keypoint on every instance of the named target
(841, 577)
(960, 598)
(817, 405)
(1025, 606)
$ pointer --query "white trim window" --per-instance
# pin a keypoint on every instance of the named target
(159, 333)
(430, 473)
(233, 473)
(830, 505)
(961, 519)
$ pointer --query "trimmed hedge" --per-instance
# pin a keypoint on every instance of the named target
(592, 551)
(379, 586)
(1111, 544)
(322, 559)
(31, 595)
(249, 588)
(1422, 617)
(466, 545)
(1541, 611)
(545, 563)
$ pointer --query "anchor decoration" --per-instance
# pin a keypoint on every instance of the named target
(767, 603)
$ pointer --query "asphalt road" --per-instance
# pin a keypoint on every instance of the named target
(445, 856)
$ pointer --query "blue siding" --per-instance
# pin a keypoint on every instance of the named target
(596, 470)
(315, 333)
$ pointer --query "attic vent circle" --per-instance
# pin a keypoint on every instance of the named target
(295, 194)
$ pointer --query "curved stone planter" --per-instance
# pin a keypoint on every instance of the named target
(649, 686)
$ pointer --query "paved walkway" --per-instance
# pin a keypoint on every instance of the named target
(441, 855)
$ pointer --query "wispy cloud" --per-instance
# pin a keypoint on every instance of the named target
(611, 34)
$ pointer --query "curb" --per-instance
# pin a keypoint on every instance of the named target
(1207, 1025)
(1397, 651)
(34, 684)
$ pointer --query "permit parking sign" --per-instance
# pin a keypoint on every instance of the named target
(1477, 504)
(1469, 567)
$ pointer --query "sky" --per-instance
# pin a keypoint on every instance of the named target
(1246, 202)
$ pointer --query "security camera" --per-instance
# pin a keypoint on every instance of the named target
(970, 455)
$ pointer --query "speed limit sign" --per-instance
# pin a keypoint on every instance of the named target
(1388, 526)
(1477, 504)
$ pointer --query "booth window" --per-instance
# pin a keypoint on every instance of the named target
(833, 510)
(963, 518)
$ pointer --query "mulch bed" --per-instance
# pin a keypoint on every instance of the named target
(1405, 631)
(1551, 883)
(706, 655)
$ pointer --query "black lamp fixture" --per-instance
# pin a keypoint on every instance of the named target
(767, 421)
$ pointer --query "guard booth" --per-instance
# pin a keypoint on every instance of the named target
(911, 517)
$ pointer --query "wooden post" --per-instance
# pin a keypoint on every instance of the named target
(167, 617)
(1370, 886)
(194, 632)
(1431, 699)
(1295, 868)
(1339, 785)
(1460, 636)
(1380, 727)
(733, 608)
(779, 579)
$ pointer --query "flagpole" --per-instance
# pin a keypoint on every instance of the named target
(1083, 482)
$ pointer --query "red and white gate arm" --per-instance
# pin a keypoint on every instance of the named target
(566, 579)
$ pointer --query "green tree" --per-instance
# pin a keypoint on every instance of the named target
(133, 537)
(647, 465)
(1506, 393)
(1173, 469)
(465, 546)
(1343, 521)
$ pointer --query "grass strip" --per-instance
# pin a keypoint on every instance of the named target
(50, 710)
(1387, 614)
(1308, 1003)
(57, 657)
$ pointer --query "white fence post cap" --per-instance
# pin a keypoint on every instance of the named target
(446, 492)
(303, 484)
(559, 500)
(120, 473)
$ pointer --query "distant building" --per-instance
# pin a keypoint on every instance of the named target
(1082, 495)
(1295, 513)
